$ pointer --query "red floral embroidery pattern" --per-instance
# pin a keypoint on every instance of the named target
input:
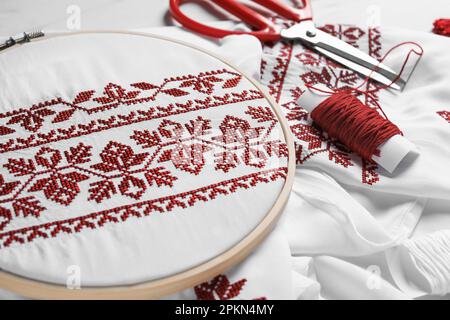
(281, 56)
(220, 288)
(369, 174)
(119, 158)
(126, 171)
(68, 159)
(140, 209)
(143, 100)
(325, 71)
(445, 115)
(351, 33)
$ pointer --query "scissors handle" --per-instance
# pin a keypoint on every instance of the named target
(266, 29)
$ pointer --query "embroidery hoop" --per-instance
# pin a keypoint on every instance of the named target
(186, 279)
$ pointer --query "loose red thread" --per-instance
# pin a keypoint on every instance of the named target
(280, 56)
(141, 209)
(359, 127)
(442, 27)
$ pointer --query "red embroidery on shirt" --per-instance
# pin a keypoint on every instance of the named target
(280, 70)
(69, 159)
(445, 115)
(31, 120)
(140, 209)
(318, 143)
(220, 288)
(115, 96)
(350, 33)
(293, 112)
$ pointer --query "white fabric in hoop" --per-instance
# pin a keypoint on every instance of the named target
(138, 152)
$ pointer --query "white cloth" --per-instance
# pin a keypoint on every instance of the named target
(343, 206)
(323, 218)
(266, 274)
(333, 213)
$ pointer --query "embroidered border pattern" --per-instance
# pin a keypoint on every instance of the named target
(148, 161)
(145, 157)
(194, 92)
(140, 209)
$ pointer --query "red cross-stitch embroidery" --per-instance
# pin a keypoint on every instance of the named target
(220, 288)
(140, 209)
(445, 115)
(318, 143)
(115, 96)
(125, 170)
(286, 63)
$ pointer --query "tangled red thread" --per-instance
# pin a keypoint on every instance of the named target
(359, 127)
(442, 27)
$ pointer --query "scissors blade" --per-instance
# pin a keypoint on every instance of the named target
(343, 53)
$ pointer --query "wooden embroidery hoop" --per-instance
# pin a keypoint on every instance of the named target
(163, 287)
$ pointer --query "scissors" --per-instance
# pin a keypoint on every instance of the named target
(303, 31)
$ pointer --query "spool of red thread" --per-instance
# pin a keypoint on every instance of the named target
(360, 128)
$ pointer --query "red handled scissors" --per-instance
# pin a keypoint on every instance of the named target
(304, 31)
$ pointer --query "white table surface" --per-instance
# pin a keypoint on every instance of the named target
(17, 16)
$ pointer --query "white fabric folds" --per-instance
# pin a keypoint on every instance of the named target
(421, 265)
